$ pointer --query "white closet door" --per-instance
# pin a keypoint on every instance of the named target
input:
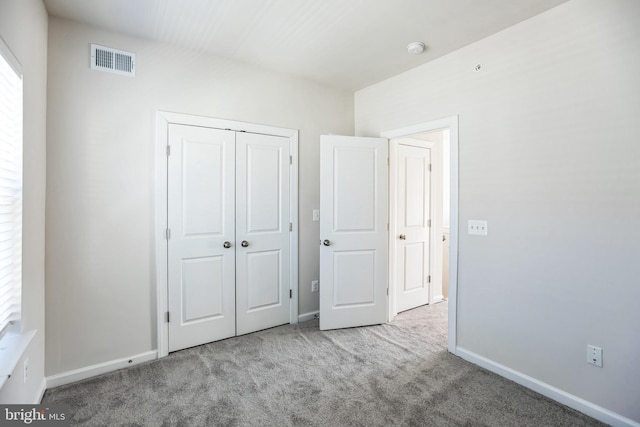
(262, 223)
(201, 270)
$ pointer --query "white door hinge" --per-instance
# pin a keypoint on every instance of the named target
(429, 279)
(290, 226)
(168, 150)
(168, 233)
(290, 160)
(167, 317)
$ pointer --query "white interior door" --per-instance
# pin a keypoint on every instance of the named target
(353, 231)
(412, 228)
(201, 270)
(262, 232)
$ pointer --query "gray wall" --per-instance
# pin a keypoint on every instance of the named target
(549, 154)
(23, 27)
(101, 178)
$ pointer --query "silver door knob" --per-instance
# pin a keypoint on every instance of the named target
(403, 237)
(326, 242)
(244, 244)
(227, 245)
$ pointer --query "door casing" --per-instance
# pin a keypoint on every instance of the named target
(450, 123)
(163, 119)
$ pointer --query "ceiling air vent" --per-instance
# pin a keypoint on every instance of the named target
(113, 60)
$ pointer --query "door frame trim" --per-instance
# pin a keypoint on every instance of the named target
(450, 123)
(163, 120)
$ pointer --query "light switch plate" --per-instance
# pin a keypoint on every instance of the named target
(316, 215)
(478, 227)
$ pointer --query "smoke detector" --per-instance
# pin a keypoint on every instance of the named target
(416, 48)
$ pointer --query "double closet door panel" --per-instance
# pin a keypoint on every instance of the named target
(201, 198)
(227, 186)
(262, 220)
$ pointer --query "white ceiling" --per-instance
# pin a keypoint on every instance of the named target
(348, 44)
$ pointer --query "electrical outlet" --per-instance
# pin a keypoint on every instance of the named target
(314, 286)
(594, 355)
(478, 227)
(25, 369)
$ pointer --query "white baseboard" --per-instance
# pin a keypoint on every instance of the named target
(43, 388)
(575, 402)
(99, 369)
(308, 316)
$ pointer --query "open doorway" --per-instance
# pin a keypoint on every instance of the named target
(423, 218)
(419, 219)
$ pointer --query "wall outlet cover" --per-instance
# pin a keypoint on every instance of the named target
(25, 370)
(594, 355)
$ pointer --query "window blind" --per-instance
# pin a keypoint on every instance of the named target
(10, 188)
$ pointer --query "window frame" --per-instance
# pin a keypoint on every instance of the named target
(13, 341)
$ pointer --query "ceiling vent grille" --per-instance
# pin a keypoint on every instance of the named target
(113, 60)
